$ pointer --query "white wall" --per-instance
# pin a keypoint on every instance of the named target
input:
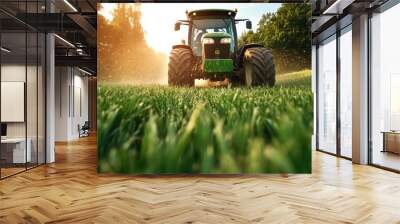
(16, 73)
(11, 73)
(62, 82)
(33, 127)
(80, 103)
(71, 94)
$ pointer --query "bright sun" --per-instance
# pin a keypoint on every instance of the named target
(158, 24)
(158, 36)
(107, 9)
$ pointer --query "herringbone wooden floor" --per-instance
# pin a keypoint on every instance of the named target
(70, 191)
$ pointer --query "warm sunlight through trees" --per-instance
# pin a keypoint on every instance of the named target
(123, 53)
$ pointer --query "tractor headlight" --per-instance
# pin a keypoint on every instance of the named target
(208, 41)
(226, 40)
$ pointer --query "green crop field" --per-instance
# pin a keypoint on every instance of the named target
(160, 129)
(295, 79)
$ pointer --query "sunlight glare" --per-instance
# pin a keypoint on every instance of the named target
(107, 10)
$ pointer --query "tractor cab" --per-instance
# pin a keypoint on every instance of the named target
(209, 27)
(212, 52)
(211, 31)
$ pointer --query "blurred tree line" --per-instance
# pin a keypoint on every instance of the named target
(287, 33)
(123, 54)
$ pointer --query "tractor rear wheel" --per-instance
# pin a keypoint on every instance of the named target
(180, 66)
(259, 67)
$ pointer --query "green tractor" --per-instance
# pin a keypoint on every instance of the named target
(213, 53)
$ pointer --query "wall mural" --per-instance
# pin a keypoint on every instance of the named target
(204, 88)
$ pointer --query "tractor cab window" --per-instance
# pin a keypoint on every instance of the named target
(203, 26)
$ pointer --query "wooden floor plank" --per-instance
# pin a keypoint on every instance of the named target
(70, 191)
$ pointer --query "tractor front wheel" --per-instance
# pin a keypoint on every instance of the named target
(259, 67)
(180, 65)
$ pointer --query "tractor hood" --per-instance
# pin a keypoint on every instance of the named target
(216, 55)
(219, 47)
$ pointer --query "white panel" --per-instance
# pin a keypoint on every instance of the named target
(313, 88)
(395, 102)
(327, 95)
(12, 101)
(50, 99)
(77, 112)
(346, 94)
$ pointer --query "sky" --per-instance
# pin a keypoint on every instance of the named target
(158, 19)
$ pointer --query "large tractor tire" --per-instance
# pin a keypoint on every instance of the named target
(259, 67)
(180, 66)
